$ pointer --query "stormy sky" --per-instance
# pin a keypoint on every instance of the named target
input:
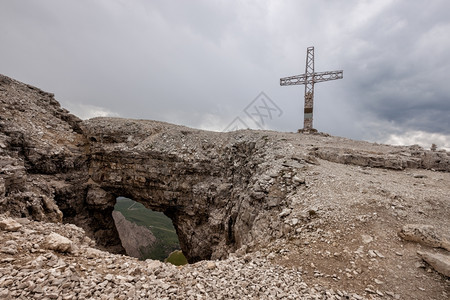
(216, 65)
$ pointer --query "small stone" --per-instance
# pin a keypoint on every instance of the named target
(109, 277)
(366, 239)
(9, 250)
(58, 243)
(7, 260)
(9, 224)
(378, 281)
(372, 253)
(419, 176)
(294, 221)
(210, 265)
(298, 180)
(285, 212)
(378, 253)
(419, 264)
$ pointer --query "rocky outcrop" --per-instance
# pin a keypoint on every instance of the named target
(223, 191)
(44, 163)
(136, 240)
(425, 235)
(413, 158)
(216, 188)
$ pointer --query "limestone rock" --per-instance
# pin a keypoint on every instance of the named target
(366, 239)
(439, 262)
(58, 243)
(9, 224)
(425, 235)
(394, 160)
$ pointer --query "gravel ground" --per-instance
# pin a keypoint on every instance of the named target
(29, 270)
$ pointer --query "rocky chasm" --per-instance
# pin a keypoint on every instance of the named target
(298, 199)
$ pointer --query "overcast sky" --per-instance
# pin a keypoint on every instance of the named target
(204, 64)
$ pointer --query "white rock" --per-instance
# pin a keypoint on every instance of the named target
(366, 239)
(285, 212)
(9, 224)
(58, 243)
(439, 262)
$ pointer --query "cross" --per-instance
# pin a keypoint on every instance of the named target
(308, 79)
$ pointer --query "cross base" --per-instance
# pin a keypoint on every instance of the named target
(307, 131)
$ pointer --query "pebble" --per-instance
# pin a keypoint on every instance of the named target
(366, 239)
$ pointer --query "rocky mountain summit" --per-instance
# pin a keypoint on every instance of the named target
(259, 214)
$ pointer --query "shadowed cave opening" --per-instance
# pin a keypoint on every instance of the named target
(146, 234)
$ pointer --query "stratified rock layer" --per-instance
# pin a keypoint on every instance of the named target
(44, 163)
(216, 188)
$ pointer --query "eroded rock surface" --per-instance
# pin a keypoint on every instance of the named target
(44, 160)
(426, 235)
(218, 189)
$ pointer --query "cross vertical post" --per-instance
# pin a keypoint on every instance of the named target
(309, 89)
(308, 79)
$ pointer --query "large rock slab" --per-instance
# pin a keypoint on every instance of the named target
(425, 235)
(439, 262)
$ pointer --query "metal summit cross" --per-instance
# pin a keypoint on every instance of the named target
(308, 79)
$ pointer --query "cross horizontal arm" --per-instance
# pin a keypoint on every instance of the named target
(326, 76)
(318, 77)
(293, 80)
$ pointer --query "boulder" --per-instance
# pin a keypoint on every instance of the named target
(58, 243)
(439, 262)
(9, 224)
(425, 235)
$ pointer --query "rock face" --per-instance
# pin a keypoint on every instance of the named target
(44, 160)
(215, 187)
(135, 239)
(426, 235)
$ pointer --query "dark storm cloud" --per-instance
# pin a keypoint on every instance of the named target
(402, 72)
(200, 63)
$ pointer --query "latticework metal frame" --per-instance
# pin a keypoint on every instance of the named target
(308, 79)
